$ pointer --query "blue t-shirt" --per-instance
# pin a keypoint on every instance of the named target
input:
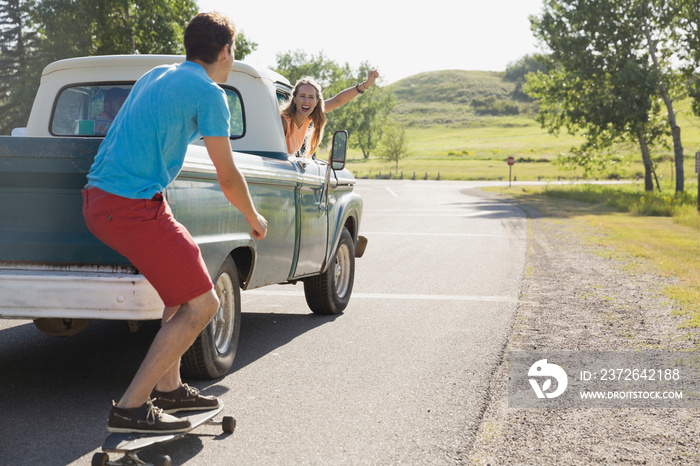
(168, 108)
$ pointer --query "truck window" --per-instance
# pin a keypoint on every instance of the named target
(235, 106)
(87, 110)
(282, 98)
(284, 93)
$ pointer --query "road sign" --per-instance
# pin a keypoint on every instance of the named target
(511, 162)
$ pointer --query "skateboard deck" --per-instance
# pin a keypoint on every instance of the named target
(130, 443)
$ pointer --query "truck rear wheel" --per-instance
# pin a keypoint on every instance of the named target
(329, 292)
(211, 355)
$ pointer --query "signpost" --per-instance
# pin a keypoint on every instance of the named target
(511, 161)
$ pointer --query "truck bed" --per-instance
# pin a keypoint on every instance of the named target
(41, 203)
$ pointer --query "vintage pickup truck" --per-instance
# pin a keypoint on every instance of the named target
(54, 271)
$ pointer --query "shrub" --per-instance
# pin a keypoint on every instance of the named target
(491, 106)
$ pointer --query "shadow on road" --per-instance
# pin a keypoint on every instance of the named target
(56, 392)
(537, 205)
(262, 333)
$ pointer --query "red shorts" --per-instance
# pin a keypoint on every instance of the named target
(146, 233)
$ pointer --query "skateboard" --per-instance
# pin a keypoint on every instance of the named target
(129, 444)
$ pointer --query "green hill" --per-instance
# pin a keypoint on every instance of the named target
(453, 86)
(456, 98)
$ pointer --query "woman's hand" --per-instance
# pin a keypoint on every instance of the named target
(371, 77)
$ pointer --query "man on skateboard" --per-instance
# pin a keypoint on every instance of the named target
(123, 205)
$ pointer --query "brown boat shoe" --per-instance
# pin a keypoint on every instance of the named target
(146, 418)
(184, 398)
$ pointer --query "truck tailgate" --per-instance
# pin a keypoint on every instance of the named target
(41, 219)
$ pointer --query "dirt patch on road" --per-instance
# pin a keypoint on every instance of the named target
(576, 298)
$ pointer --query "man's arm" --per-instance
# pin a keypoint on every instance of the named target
(233, 184)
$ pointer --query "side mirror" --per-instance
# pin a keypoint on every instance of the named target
(339, 150)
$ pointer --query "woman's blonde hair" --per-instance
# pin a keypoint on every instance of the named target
(318, 116)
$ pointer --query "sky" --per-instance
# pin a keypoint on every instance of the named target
(399, 38)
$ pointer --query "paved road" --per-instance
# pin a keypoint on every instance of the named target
(400, 377)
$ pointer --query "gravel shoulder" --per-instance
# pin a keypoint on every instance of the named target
(575, 298)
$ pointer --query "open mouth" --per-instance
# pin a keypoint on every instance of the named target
(305, 108)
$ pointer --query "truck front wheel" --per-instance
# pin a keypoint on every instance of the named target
(329, 292)
(211, 355)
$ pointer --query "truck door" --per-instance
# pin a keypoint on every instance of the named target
(312, 225)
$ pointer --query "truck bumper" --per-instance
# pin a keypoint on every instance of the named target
(36, 293)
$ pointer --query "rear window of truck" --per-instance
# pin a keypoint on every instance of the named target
(88, 109)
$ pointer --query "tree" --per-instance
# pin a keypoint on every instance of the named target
(393, 145)
(106, 27)
(103, 27)
(516, 72)
(65, 28)
(297, 64)
(658, 21)
(364, 116)
(35, 33)
(687, 13)
(600, 80)
(18, 44)
(244, 46)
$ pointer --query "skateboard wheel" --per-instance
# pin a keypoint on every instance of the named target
(228, 423)
(99, 459)
(163, 460)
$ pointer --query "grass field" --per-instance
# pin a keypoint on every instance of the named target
(658, 233)
(475, 152)
(478, 152)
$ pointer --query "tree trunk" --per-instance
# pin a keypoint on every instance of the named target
(675, 129)
(369, 137)
(648, 168)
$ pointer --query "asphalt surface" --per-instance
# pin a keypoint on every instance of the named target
(400, 377)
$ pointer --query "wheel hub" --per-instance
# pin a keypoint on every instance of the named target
(224, 319)
(341, 277)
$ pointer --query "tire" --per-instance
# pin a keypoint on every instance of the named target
(228, 424)
(329, 292)
(99, 459)
(211, 355)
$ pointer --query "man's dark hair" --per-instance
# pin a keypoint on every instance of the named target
(206, 33)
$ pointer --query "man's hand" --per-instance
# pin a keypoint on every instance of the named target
(259, 226)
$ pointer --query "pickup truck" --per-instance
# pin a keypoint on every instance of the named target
(55, 272)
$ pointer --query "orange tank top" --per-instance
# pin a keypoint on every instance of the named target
(295, 135)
